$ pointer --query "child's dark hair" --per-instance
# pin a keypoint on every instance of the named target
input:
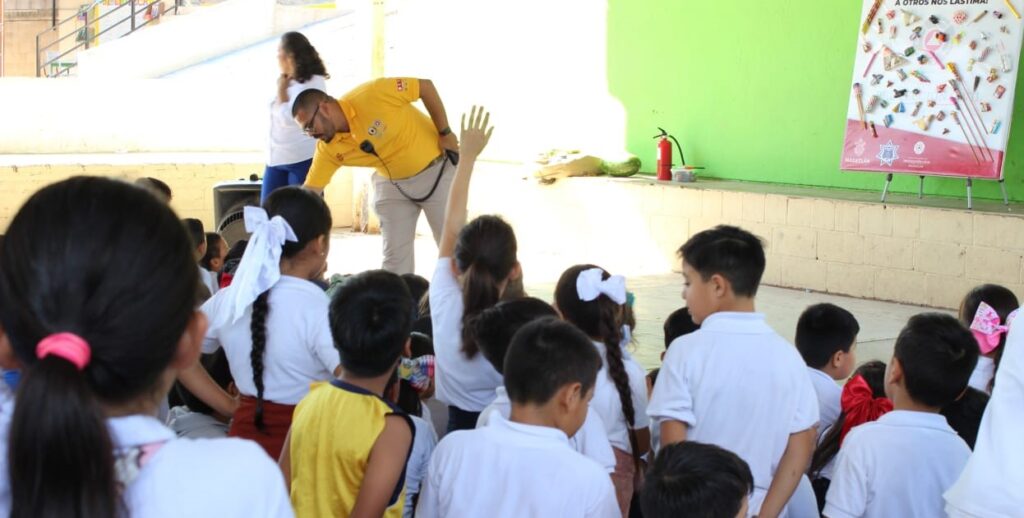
(964, 414)
(695, 480)
(822, 331)
(418, 287)
(113, 265)
(156, 187)
(1002, 300)
(873, 373)
(310, 219)
(371, 316)
(730, 252)
(494, 328)
(679, 323)
(196, 232)
(485, 254)
(213, 242)
(600, 319)
(937, 354)
(544, 356)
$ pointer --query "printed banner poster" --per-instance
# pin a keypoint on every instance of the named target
(933, 87)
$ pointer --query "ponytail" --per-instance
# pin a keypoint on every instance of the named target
(60, 454)
(258, 328)
(481, 292)
(611, 336)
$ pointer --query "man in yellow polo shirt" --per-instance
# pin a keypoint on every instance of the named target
(376, 125)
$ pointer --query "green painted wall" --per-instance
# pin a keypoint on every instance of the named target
(755, 90)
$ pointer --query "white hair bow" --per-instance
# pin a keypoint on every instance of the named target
(590, 286)
(260, 267)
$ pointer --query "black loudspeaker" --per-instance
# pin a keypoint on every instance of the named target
(229, 200)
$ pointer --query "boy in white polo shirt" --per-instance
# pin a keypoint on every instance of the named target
(901, 464)
(826, 336)
(735, 382)
(524, 466)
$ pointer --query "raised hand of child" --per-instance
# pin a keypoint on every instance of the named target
(475, 136)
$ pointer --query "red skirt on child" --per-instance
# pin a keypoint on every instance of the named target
(277, 419)
(624, 478)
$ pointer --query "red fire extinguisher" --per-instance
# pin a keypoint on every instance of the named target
(665, 154)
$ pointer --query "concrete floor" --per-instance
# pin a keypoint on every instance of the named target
(656, 296)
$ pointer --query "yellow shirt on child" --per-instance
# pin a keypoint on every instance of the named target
(333, 430)
(382, 113)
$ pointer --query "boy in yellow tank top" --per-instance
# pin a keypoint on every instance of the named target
(347, 449)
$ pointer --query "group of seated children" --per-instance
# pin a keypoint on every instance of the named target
(291, 402)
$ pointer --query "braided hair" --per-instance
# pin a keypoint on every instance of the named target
(310, 219)
(601, 319)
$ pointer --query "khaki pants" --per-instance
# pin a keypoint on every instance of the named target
(398, 215)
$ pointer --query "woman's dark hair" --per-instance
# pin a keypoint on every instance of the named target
(485, 254)
(307, 59)
(213, 242)
(600, 319)
(196, 232)
(310, 219)
(494, 327)
(113, 265)
(873, 373)
(1002, 300)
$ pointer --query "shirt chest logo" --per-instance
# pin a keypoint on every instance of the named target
(377, 129)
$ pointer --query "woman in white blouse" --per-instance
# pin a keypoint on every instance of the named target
(291, 151)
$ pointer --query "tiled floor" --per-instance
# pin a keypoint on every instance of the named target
(656, 296)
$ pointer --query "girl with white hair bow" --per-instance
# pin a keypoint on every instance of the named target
(272, 321)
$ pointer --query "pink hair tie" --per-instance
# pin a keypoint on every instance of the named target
(68, 346)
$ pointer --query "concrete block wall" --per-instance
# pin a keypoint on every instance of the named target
(912, 254)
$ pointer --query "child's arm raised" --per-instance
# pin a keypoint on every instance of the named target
(474, 138)
(384, 469)
(792, 466)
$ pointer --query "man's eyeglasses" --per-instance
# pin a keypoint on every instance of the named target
(308, 128)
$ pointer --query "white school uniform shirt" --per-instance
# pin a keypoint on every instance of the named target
(983, 373)
(288, 143)
(201, 477)
(532, 472)
(737, 384)
(467, 384)
(590, 441)
(209, 279)
(990, 485)
(829, 394)
(299, 348)
(423, 445)
(608, 404)
(898, 465)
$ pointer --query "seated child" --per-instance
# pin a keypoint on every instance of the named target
(863, 400)
(735, 382)
(348, 447)
(198, 238)
(901, 464)
(524, 466)
(826, 336)
(964, 414)
(679, 323)
(986, 310)
(213, 261)
(493, 330)
(696, 480)
(195, 419)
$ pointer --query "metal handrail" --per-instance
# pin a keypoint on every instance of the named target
(89, 38)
